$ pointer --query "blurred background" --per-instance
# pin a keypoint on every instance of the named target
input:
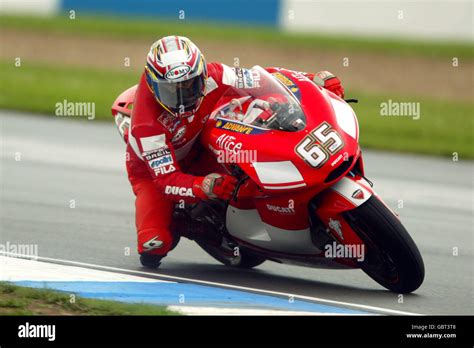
(63, 185)
(404, 51)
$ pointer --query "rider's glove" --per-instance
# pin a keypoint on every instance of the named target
(214, 186)
(330, 82)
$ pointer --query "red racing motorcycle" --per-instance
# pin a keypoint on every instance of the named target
(302, 196)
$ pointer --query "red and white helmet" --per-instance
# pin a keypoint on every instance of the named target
(176, 73)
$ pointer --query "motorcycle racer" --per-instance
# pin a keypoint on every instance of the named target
(175, 96)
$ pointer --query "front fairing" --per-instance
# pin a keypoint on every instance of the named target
(314, 156)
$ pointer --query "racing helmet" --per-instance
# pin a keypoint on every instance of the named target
(176, 73)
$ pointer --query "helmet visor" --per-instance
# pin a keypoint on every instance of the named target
(181, 96)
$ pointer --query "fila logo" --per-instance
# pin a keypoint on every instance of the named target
(179, 191)
(164, 170)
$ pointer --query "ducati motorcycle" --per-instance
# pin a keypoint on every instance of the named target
(302, 197)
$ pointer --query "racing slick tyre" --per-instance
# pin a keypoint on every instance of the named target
(227, 256)
(392, 259)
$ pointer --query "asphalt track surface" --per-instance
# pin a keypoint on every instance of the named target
(64, 160)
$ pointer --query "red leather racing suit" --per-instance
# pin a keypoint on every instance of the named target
(159, 146)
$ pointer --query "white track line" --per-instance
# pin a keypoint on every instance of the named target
(237, 287)
(211, 311)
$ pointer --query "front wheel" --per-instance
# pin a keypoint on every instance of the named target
(392, 259)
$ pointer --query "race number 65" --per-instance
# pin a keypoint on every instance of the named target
(316, 148)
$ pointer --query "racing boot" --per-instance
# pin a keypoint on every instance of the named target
(150, 260)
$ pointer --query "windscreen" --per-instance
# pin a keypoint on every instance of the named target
(268, 104)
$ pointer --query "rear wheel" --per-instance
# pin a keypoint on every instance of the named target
(392, 259)
(229, 256)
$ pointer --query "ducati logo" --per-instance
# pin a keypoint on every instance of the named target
(358, 194)
(180, 191)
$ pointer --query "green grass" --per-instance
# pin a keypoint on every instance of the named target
(37, 88)
(16, 300)
(152, 29)
(443, 128)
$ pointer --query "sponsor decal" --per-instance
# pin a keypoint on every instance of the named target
(251, 78)
(154, 142)
(153, 243)
(237, 127)
(336, 226)
(337, 160)
(177, 72)
(227, 143)
(164, 170)
(358, 194)
(208, 185)
(157, 153)
(325, 75)
(299, 76)
(247, 78)
(123, 124)
(289, 84)
(178, 137)
(240, 77)
(290, 210)
(170, 122)
(161, 161)
(179, 191)
(341, 156)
